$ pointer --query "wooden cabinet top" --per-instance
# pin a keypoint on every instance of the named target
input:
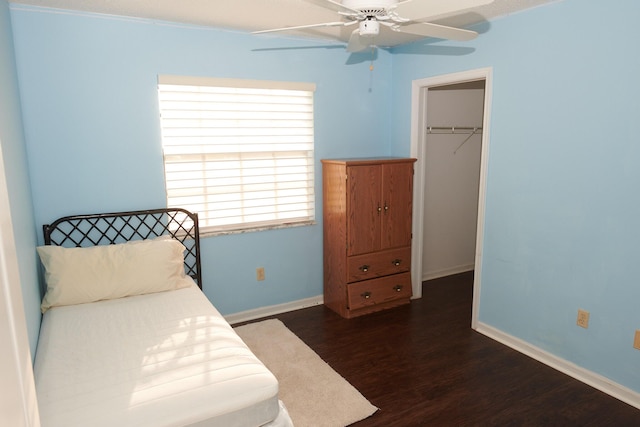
(368, 160)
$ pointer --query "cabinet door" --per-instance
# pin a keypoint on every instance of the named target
(364, 209)
(397, 194)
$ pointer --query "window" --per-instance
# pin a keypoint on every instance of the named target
(238, 152)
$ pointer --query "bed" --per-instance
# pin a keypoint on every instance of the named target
(129, 339)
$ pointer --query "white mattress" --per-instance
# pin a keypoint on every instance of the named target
(164, 359)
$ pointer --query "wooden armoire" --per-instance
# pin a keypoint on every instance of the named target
(367, 207)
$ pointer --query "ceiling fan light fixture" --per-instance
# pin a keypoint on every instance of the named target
(369, 28)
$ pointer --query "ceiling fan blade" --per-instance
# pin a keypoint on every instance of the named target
(427, 29)
(358, 43)
(333, 5)
(421, 9)
(300, 27)
(339, 5)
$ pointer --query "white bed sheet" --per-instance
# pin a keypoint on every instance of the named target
(164, 359)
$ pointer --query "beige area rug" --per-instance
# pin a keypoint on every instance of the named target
(314, 394)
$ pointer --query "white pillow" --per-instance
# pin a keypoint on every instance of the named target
(81, 275)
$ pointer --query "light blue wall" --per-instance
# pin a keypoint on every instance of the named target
(563, 193)
(14, 154)
(89, 92)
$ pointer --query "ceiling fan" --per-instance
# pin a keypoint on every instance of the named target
(403, 16)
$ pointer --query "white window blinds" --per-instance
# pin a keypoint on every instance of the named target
(238, 152)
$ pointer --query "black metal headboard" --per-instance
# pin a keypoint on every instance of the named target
(120, 227)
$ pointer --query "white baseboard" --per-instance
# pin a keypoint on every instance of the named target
(429, 275)
(581, 374)
(272, 310)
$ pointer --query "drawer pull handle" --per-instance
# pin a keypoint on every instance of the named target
(364, 268)
(397, 288)
(366, 295)
(396, 262)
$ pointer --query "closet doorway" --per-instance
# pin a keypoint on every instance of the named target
(451, 180)
(450, 140)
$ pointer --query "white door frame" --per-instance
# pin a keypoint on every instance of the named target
(419, 91)
(17, 388)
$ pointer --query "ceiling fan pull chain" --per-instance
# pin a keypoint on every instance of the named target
(372, 58)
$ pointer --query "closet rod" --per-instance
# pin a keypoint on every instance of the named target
(453, 129)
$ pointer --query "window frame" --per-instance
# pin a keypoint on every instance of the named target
(305, 156)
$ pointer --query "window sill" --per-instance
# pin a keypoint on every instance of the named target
(208, 232)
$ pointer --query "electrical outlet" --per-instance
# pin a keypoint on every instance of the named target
(583, 318)
(260, 274)
(636, 340)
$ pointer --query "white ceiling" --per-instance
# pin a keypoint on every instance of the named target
(252, 15)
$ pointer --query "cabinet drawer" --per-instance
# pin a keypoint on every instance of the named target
(383, 263)
(378, 291)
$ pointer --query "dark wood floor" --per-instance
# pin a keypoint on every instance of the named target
(422, 364)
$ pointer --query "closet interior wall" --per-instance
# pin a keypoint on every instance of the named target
(452, 171)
